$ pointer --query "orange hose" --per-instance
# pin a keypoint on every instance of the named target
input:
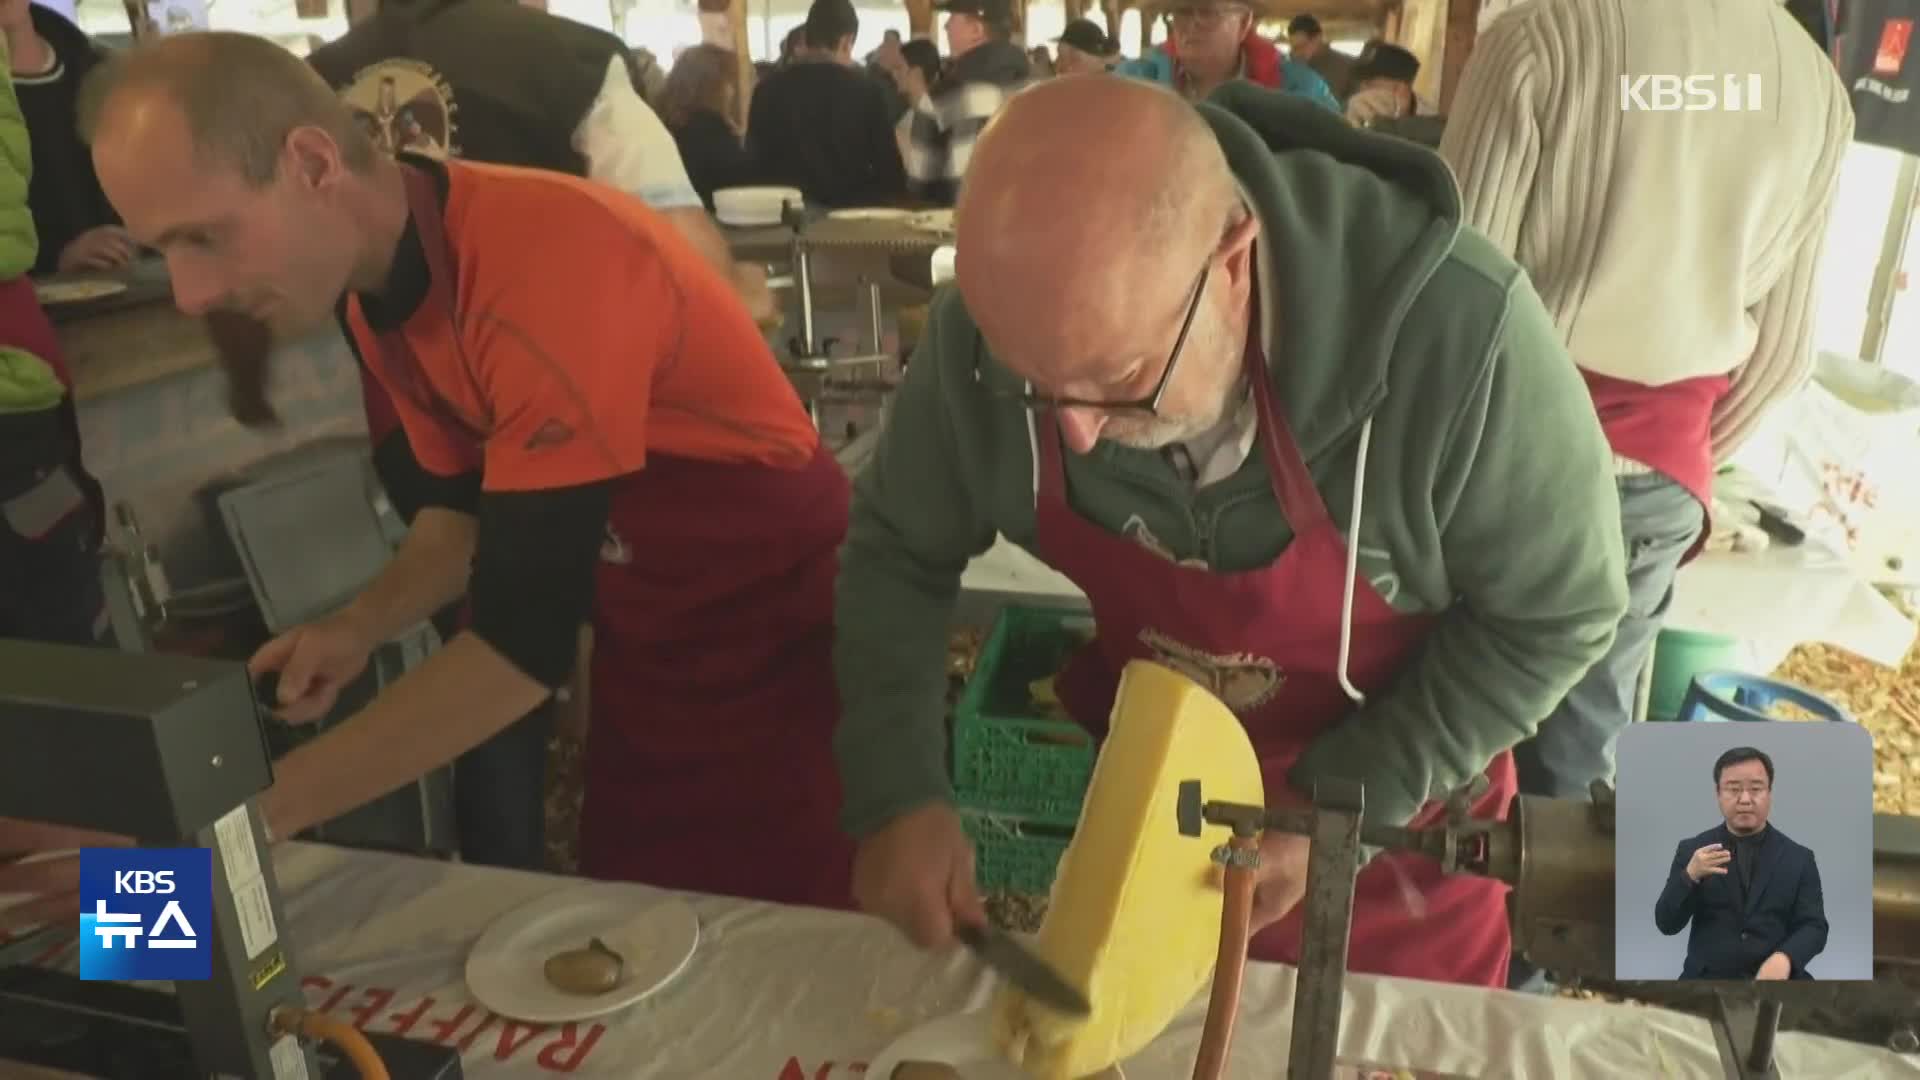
(316, 1025)
(1223, 1006)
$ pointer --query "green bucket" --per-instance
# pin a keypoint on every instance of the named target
(1679, 655)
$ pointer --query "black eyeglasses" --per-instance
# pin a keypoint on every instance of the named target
(1149, 405)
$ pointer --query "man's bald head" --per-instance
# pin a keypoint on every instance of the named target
(237, 96)
(1118, 170)
(1099, 216)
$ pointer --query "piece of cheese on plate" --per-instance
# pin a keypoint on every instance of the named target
(1134, 918)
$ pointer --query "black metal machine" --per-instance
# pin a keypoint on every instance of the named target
(169, 751)
(1558, 856)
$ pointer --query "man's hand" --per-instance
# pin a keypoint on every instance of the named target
(916, 872)
(104, 247)
(1711, 859)
(750, 281)
(1778, 966)
(1281, 880)
(48, 889)
(315, 662)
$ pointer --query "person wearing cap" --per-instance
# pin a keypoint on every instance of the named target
(984, 67)
(1084, 49)
(1307, 43)
(1211, 43)
(1240, 372)
(1383, 85)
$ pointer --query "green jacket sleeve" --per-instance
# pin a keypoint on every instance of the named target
(1530, 536)
(19, 244)
(916, 522)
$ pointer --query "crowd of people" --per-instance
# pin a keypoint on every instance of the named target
(1395, 451)
(900, 122)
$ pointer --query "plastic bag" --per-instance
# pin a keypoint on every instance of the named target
(1849, 442)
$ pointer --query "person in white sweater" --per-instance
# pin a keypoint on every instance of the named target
(1676, 251)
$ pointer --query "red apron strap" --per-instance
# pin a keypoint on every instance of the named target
(1293, 488)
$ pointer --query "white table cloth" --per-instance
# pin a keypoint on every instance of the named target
(792, 994)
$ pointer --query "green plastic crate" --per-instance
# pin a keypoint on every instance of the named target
(1012, 855)
(1007, 757)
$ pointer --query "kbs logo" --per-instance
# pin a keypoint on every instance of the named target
(146, 913)
(1690, 93)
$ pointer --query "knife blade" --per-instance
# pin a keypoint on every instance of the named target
(1019, 966)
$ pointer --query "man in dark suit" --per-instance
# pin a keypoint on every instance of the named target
(1752, 894)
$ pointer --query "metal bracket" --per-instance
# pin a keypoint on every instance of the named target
(1326, 926)
(1745, 1034)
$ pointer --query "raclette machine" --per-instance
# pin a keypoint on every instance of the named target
(169, 751)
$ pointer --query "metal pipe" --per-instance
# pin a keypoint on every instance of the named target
(1893, 247)
(874, 321)
(803, 275)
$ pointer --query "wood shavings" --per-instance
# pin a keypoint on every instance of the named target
(1886, 701)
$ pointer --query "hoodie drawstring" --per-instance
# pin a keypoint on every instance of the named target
(1353, 562)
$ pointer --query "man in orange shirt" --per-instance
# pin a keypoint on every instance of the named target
(604, 436)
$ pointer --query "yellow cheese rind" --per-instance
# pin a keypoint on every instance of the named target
(1134, 918)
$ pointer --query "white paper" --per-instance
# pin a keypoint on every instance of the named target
(234, 833)
(257, 931)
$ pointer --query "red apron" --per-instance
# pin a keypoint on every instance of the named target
(1267, 642)
(1666, 428)
(709, 766)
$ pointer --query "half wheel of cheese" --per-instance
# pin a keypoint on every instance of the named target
(1134, 918)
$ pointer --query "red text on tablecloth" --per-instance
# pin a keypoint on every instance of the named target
(555, 1048)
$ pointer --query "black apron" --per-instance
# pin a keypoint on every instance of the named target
(1879, 60)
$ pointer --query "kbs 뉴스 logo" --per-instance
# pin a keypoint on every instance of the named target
(146, 914)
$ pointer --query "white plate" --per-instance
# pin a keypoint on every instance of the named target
(749, 207)
(654, 935)
(871, 213)
(74, 292)
(963, 1041)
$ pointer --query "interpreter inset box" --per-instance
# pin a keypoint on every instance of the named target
(1744, 851)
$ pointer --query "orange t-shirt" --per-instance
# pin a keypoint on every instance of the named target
(581, 334)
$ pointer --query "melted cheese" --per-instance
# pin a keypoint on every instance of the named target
(1135, 913)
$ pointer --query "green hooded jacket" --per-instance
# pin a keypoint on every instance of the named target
(27, 384)
(1489, 491)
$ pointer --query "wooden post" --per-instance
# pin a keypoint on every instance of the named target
(139, 21)
(1463, 26)
(1146, 28)
(1019, 21)
(920, 18)
(359, 11)
(736, 40)
(1114, 9)
(1076, 9)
